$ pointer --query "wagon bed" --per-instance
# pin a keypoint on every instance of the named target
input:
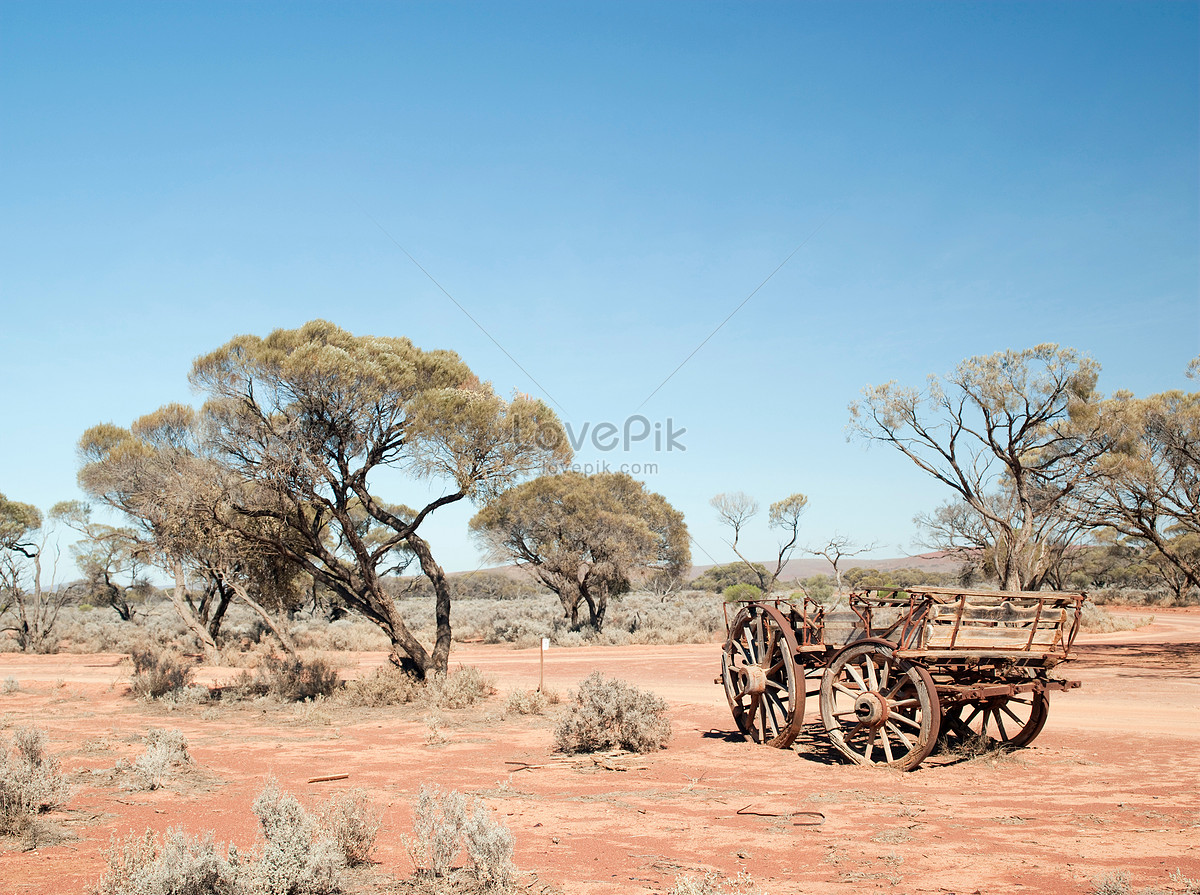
(899, 667)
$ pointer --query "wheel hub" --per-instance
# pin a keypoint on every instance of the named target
(870, 709)
(754, 680)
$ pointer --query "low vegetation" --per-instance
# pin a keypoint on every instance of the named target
(296, 854)
(158, 672)
(165, 751)
(30, 782)
(447, 824)
(714, 884)
(287, 679)
(607, 713)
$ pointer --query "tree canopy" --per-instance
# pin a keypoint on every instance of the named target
(999, 432)
(1145, 484)
(305, 421)
(586, 537)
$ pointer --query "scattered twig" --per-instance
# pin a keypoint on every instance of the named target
(327, 778)
(810, 818)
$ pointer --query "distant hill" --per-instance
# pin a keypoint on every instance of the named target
(808, 566)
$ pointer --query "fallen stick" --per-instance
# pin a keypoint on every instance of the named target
(327, 778)
(817, 818)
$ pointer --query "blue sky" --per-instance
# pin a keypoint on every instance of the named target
(600, 186)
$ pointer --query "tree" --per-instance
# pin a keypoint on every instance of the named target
(28, 610)
(735, 509)
(586, 537)
(110, 558)
(999, 433)
(837, 548)
(309, 423)
(162, 477)
(1145, 484)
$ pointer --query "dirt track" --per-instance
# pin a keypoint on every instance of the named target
(1110, 785)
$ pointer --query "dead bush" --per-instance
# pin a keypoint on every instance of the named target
(1113, 884)
(714, 884)
(159, 672)
(30, 782)
(165, 750)
(352, 820)
(1096, 620)
(610, 714)
(529, 702)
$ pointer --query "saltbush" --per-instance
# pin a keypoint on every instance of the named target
(291, 679)
(159, 672)
(610, 714)
(447, 823)
(30, 782)
(353, 822)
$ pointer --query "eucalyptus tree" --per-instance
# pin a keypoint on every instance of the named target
(161, 476)
(586, 537)
(1004, 433)
(29, 608)
(312, 425)
(113, 563)
(1145, 485)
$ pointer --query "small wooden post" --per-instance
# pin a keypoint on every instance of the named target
(542, 663)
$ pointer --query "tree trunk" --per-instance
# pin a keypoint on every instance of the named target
(597, 605)
(439, 661)
(188, 615)
(281, 634)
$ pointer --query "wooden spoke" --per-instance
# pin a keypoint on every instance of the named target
(758, 668)
(998, 722)
(878, 708)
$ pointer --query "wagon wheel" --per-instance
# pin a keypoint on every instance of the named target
(878, 708)
(1010, 721)
(758, 668)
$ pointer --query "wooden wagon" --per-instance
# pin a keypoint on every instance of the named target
(898, 668)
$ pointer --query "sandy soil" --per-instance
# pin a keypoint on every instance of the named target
(1110, 785)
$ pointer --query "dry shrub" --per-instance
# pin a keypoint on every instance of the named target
(445, 824)
(713, 884)
(353, 822)
(292, 679)
(295, 855)
(1113, 884)
(165, 750)
(1100, 621)
(180, 865)
(610, 714)
(11, 685)
(529, 702)
(385, 686)
(159, 672)
(30, 782)
(459, 689)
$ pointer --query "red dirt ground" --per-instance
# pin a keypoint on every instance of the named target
(1110, 785)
